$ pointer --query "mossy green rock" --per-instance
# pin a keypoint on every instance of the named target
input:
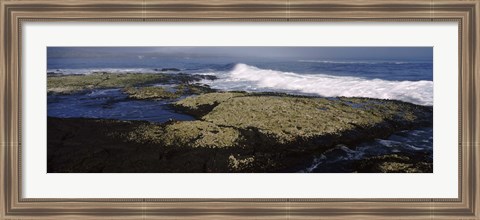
(76, 83)
(161, 92)
(288, 118)
(196, 134)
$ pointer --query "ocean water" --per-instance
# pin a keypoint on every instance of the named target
(410, 81)
(110, 104)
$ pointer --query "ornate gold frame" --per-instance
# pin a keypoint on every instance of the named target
(14, 12)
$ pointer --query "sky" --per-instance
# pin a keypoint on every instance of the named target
(361, 53)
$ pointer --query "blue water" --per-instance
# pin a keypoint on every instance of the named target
(110, 104)
(397, 70)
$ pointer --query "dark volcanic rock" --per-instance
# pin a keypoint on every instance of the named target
(170, 69)
(80, 145)
(52, 74)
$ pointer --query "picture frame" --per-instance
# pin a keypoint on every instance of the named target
(15, 13)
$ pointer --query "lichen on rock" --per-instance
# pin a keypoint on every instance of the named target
(289, 118)
(67, 84)
(76, 83)
(236, 164)
(195, 134)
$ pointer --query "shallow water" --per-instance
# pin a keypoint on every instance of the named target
(111, 104)
(339, 159)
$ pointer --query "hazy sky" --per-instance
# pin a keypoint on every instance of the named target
(388, 53)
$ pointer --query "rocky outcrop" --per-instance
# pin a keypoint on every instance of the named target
(235, 132)
(166, 93)
(170, 69)
(151, 92)
(66, 84)
(77, 83)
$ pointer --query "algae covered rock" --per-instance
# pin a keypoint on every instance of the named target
(76, 83)
(284, 130)
(290, 118)
(164, 92)
(238, 132)
(102, 80)
(196, 134)
(201, 105)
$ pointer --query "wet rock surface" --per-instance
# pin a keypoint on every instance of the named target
(167, 92)
(236, 132)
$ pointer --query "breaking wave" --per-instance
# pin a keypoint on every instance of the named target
(251, 78)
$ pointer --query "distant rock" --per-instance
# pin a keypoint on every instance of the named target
(170, 70)
(54, 74)
(163, 93)
(208, 77)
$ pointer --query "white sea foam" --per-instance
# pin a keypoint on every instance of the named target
(250, 78)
